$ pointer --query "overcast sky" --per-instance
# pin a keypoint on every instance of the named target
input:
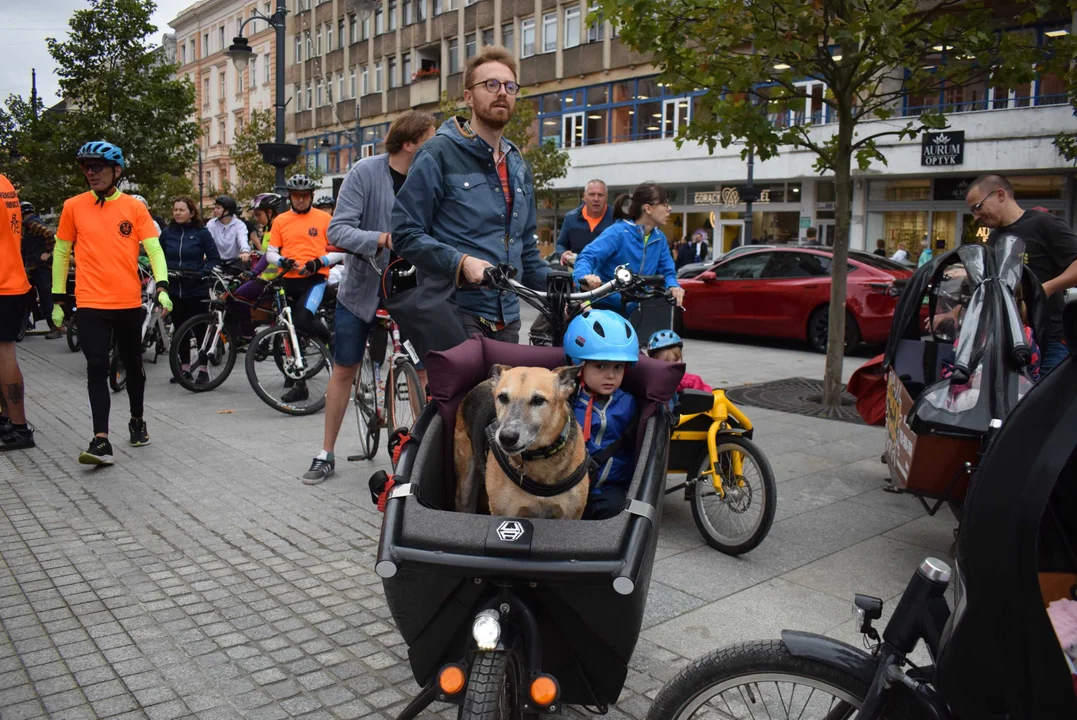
(22, 42)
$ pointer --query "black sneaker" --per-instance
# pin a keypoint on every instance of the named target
(202, 378)
(295, 394)
(140, 435)
(99, 452)
(17, 438)
(319, 470)
(186, 376)
(6, 426)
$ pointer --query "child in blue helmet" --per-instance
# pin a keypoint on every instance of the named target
(667, 345)
(604, 343)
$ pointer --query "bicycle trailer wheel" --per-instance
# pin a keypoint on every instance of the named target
(739, 521)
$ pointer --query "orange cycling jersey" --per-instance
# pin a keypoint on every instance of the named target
(12, 273)
(106, 239)
(301, 237)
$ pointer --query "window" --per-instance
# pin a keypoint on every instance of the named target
(220, 37)
(364, 82)
(340, 85)
(409, 10)
(310, 44)
(205, 45)
(572, 26)
(405, 69)
(320, 94)
(596, 127)
(220, 86)
(421, 9)
(239, 123)
(451, 5)
(549, 32)
(297, 93)
(527, 37)
(794, 265)
(745, 267)
(318, 41)
(675, 115)
(265, 9)
(377, 77)
(487, 37)
(183, 55)
(205, 92)
(239, 83)
(469, 45)
(392, 15)
(222, 132)
(194, 54)
(508, 37)
(351, 83)
(329, 38)
(572, 129)
(353, 29)
(298, 48)
(310, 96)
(364, 29)
(393, 80)
(379, 20)
(454, 56)
(265, 69)
(437, 7)
(468, 3)
(340, 33)
(596, 31)
(254, 71)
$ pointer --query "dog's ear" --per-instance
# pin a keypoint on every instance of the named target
(496, 370)
(567, 379)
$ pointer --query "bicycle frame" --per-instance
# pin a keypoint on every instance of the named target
(720, 414)
(284, 316)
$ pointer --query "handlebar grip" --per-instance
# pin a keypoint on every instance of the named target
(658, 281)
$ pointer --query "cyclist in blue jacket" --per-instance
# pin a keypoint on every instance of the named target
(634, 240)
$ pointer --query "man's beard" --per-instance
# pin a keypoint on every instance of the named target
(494, 122)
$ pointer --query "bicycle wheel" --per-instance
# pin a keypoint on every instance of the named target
(73, 343)
(763, 680)
(405, 396)
(366, 408)
(493, 688)
(210, 350)
(117, 373)
(277, 377)
(738, 522)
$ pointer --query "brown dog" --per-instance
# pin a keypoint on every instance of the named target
(535, 430)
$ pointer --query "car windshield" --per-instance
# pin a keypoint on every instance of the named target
(876, 261)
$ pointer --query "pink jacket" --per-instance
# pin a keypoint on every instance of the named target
(693, 382)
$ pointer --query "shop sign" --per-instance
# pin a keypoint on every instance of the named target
(943, 148)
(983, 233)
(946, 189)
(708, 198)
(824, 206)
(805, 222)
(727, 196)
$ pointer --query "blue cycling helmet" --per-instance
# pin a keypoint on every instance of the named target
(101, 150)
(601, 335)
(663, 339)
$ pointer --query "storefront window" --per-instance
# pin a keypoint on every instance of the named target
(824, 191)
(1038, 187)
(793, 192)
(899, 190)
(596, 127)
(898, 226)
(649, 122)
(598, 95)
(775, 228)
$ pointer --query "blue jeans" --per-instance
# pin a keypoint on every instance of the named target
(1055, 352)
(349, 337)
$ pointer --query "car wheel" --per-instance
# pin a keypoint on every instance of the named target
(819, 330)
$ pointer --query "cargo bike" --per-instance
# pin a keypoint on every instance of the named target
(513, 617)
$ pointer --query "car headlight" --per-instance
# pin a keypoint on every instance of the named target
(486, 630)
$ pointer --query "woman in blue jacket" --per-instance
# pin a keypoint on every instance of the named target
(634, 239)
(188, 246)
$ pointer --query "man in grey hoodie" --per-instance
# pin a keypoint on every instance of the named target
(362, 224)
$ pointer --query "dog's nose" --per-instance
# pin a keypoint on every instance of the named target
(508, 438)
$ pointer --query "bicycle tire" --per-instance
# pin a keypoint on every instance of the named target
(755, 664)
(365, 399)
(277, 343)
(493, 688)
(209, 320)
(117, 373)
(73, 343)
(408, 396)
(704, 494)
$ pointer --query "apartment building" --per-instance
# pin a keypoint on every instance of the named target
(224, 98)
(350, 76)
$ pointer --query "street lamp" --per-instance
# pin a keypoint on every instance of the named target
(278, 153)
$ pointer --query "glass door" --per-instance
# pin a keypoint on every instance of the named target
(675, 113)
(731, 234)
(943, 231)
(572, 129)
(826, 233)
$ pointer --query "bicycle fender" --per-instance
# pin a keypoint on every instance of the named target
(830, 652)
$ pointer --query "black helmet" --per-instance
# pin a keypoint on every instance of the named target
(226, 202)
(300, 183)
(325, 201)
(266, 201)
(26, 208)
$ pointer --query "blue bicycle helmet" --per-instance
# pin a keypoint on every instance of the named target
(663, 339)
(601, 335)
(101, 150)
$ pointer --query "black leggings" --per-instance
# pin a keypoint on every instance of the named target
(95, 329)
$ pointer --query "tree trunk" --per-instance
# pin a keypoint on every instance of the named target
(835, 353)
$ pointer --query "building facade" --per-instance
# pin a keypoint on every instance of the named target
(224, 98)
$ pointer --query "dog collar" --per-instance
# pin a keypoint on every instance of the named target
(527, 484)
(553, 448)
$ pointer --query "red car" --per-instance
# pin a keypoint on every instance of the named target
(785, 293)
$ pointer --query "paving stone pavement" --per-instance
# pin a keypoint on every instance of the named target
(199, 578)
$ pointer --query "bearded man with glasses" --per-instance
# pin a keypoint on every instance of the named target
(469, 203)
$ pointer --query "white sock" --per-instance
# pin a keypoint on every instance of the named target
(324, 455)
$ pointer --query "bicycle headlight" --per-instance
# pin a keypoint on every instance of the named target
(623, 275)
(486, 630)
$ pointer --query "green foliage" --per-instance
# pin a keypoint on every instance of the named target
(254, 175)
(548, 162)
(116, 88)
(1063, 62)
(165, 193)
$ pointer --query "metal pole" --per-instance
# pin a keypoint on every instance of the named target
(201, 190)
(279, 16)
(751, 196)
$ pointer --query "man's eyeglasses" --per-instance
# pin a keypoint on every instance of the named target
(493, 86)
(978, 206)
(93, 167)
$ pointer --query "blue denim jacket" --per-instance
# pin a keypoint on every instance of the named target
(452, 205)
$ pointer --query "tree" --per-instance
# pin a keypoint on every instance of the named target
(1063, 62)
(254, 175)
(165, 193)
(548, 162)
(750, 58)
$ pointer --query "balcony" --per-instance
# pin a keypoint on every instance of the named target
(426, 88)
